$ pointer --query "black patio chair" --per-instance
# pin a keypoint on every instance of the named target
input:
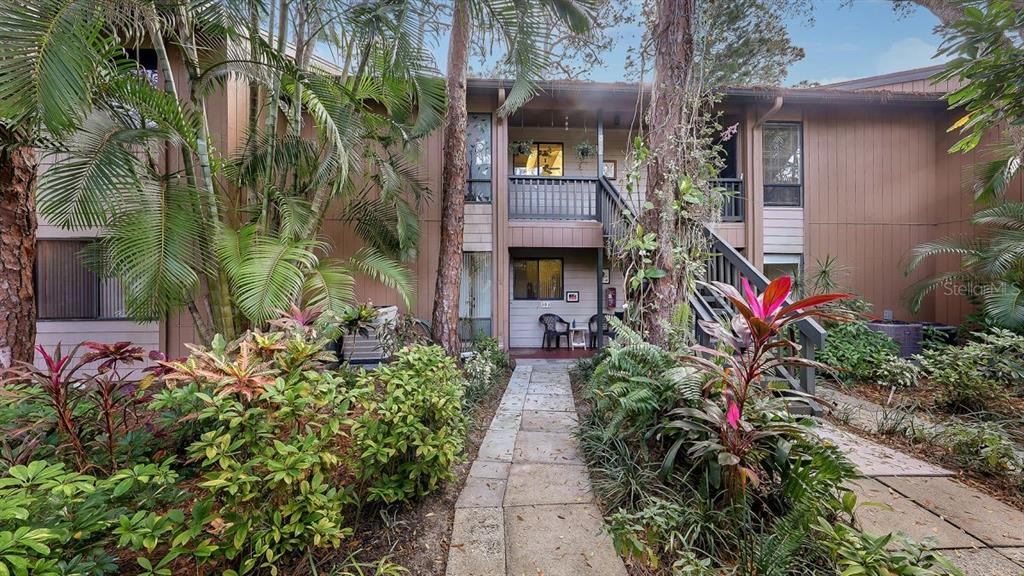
(592, 328)
(551, 324)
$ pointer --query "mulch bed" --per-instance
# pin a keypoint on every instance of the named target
(924, 395)
(417, 535)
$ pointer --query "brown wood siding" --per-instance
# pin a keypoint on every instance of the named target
(871, 196)
(546, 234)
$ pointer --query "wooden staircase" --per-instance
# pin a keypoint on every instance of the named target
(726, 265)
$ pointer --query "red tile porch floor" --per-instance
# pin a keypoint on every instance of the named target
(550, 354)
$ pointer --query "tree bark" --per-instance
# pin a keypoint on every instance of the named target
(17, 253)
(666, 139)
(445, 318)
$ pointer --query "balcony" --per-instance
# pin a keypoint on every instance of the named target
(574, 198)
(547, 198)
(733, 206)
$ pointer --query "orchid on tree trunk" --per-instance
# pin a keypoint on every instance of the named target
(752, 345)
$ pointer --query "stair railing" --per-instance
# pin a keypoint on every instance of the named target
(725, 265)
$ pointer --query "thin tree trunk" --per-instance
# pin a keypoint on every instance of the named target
(445, 317)
(17, 253)
(673, 67)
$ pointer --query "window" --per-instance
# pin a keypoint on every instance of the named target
(537, 278)
(778, 265)
(783, 164)
(544, 159)
(478, 156)
(475, 295)
(67, 290)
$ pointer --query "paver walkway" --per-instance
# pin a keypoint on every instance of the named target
(527, 508)
(980, 534)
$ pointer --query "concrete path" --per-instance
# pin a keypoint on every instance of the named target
(980, 534)
(527, 508)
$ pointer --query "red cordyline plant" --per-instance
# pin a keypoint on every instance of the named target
(752, 346)
(61, 387)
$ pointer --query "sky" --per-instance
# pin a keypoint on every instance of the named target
(858, 39)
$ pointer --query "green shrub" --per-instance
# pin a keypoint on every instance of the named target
(856, 552)
(896, 372)
(271, 456)
(984, 447)
(488, 348)
(413, 428)
(485, 369)
(860, 354)
(964, 385)
(54, 521)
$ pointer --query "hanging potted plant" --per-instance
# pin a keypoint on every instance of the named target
(520, 147)
(585, 151)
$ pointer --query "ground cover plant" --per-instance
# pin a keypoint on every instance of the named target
(703, 469)
(247, 457)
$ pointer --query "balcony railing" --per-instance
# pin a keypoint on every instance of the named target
(539, 197)
(733, 206)
(572, 198)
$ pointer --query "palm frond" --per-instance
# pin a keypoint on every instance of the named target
(151, 250)
(271, 274)
(1005, 305)
(949, 246)
(992, 178)
(97, 171)
(385, 270)
(329, 286)
(52, 52)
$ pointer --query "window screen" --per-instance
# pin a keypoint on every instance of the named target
(478, 155)
(782, 157)
(67, 290)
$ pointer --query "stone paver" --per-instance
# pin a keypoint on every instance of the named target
(873, 459)
(549, 447)
(539, 421)
(478, 542)
(490, 469)
(527, 507)
(498, 445)
(481, 493)
(550, 402)
(983, 562)
(883, 511)
(984, 517)
(1015, 554)
(547, 484)
(559, 540)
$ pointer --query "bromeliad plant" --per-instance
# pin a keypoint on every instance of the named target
(736, 427)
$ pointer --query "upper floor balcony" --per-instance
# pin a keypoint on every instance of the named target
(579, 198)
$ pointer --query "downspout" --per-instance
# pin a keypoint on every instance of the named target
(771, 112)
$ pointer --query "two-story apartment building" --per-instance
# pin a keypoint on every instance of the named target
(856, 170)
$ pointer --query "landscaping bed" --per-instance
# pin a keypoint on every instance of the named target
(256, 456)
(417, 536)
(700, 468)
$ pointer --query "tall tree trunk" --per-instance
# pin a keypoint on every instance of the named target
(17, 252)
(445, 317)
(673, 66)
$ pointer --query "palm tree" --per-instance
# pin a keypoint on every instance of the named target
(232, 238)
(519, 27)
(991, 269)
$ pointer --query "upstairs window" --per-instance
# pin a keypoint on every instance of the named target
(537, 278)
(478, 156)
(544, 159)
(67, 290)
(782, 156)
